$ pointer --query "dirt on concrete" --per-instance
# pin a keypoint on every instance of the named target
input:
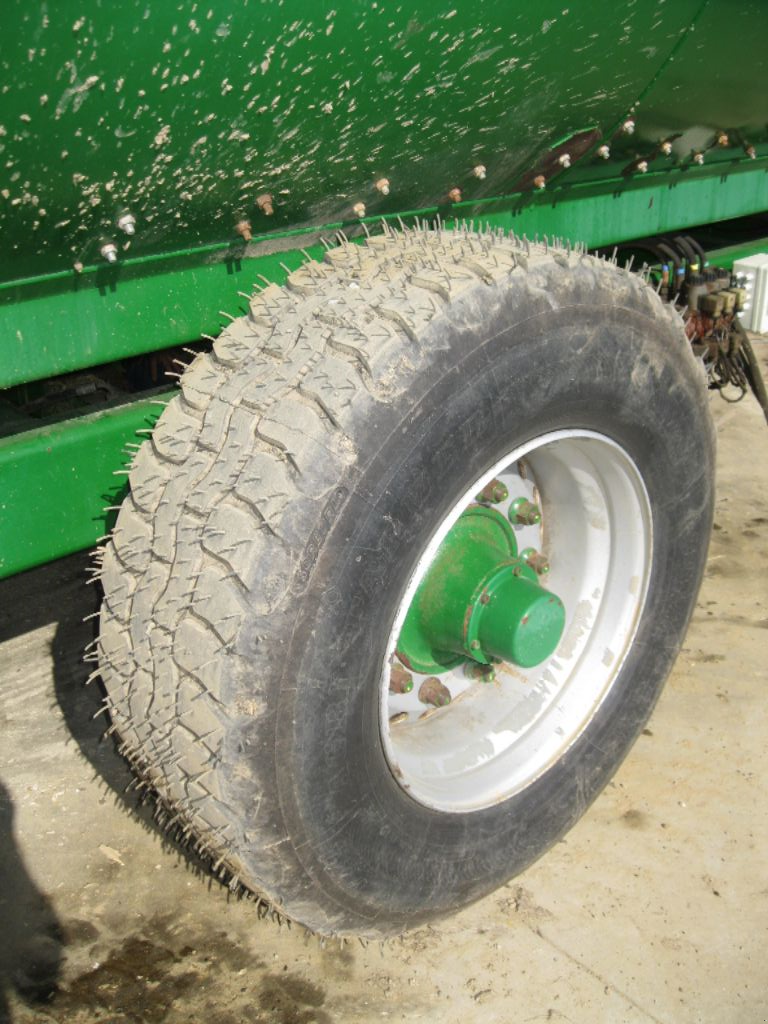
(654, 908)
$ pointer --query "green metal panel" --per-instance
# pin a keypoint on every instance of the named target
(727, 257)
(62, 324)
(185, 118)
(56, 481)
(184, 115)
(53, 326)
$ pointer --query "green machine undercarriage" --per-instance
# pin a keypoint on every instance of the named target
(158, 163)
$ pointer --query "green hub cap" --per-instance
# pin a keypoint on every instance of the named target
(479, 600)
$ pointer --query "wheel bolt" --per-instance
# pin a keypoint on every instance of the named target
(127, 223)
(401, 716)
(524, 512)
(109, 252)
(400, 681)
(493, 493)
(243, 228)
(433, 692)
(483, 673)
(536, 561)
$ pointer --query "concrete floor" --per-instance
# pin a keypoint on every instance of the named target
(653, 909)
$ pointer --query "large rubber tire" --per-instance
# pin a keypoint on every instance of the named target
(280, 508)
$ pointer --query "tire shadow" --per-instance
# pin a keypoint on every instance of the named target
(80, 698)
(31, 937)
(58, 593)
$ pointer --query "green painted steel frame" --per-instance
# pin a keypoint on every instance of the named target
(57, 483)
(69, 321)
(54, 481)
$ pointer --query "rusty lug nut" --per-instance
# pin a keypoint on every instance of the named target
(127, 223)
(243, 227)
(536, 561)
(698, 158)
(401, 716)
(109, 252)
(482, 673)
(265, 204)
(539, 181)
(400, 681)
(629, 126)
(433, 692)
(493, 492)
(382, 185)
(479, 171)
(524, 512)
(604, 152)
(666, 147)
(641, 166)
(454, 196)
(722, 139)
(564, 160)
(359, 210)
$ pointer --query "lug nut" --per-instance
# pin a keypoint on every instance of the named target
(751, 152)
(524, 512)
(604, 152)
(481, 673)
(433, 692)
(264, 203)
(722, 139)
(666, 147)
(127, 223)
(479, 172)
(359, 210)
(536, 561)
(629, 126)
(641, 166)
(382, 185)
(401, 716)
(400, 681)
(243, 227)
(564, 160)
(454, 196)
(493, 493)
(539, 181)
(109, 252)
(698, 158)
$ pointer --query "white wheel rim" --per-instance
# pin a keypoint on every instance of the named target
(494, 739)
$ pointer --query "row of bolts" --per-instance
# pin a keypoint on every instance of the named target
(522, 512)
(127, 222)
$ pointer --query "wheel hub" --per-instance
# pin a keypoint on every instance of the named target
(465, 727)
(480, 600)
